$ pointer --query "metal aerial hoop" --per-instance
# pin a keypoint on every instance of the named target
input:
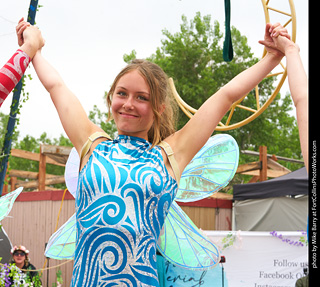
(290, 18)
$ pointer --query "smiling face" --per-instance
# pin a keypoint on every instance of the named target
(141, 103)
(131, 106)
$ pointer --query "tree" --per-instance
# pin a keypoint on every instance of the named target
(32, 144)
(193, 57)
(100, 118)
(3, 128)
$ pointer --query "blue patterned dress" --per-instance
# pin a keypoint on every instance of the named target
(124, 194)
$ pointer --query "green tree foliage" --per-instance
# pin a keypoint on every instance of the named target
(3, 127)
(101, 119)
(32, 144)
(193, 57)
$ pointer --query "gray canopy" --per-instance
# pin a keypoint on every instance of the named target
(277, 204)
(293, 183)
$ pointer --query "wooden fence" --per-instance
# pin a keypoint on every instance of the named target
(266, 167)
(40, 180)
(261, 170)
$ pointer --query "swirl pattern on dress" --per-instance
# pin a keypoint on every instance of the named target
(123, 197)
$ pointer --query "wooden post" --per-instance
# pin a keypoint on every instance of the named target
(42, 171)
(5, 186)
(264, 163)
(13, 182)
(254, 179)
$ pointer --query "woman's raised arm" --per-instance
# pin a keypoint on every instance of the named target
(71, 113)
(189, 140)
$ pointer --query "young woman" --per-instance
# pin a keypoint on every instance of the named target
(126, 185)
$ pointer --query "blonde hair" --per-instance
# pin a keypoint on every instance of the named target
(160, 93)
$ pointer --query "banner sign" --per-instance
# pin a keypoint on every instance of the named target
(253, 259)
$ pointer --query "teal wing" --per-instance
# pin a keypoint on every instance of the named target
(183, 244)
(61, 244)
(6, 202)
(210, 170)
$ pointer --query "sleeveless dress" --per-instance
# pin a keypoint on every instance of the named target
(123, 197)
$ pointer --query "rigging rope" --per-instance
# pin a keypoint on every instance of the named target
(227, 45)
(56, 228)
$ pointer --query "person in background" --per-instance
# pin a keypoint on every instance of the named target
(303, 281)
(21, 260)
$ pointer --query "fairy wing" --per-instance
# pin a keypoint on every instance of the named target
(210, 170)
(183, 244)
(6, 202)
(61, 244)
(71, 173)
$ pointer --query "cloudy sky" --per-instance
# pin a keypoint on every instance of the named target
(86, 41)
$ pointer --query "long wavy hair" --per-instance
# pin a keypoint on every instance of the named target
(160, 93)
